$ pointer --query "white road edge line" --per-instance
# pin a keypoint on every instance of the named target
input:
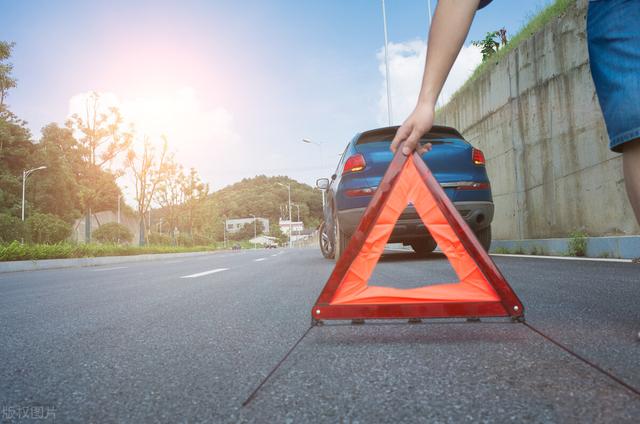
(260, 259)
(109, 269)
(274, 255)
(201, 274)
(566, 258)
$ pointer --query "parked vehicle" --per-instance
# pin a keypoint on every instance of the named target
(458, 166)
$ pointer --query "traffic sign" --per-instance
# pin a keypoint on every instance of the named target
(482, 291)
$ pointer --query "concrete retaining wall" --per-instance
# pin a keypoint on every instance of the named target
(536, 116)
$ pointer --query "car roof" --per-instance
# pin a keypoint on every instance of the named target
(387, 133)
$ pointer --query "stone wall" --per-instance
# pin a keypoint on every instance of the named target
(536, 116)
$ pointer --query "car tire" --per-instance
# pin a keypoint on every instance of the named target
(326, 244)
(341, 240)
(423, 247)
(484, 237)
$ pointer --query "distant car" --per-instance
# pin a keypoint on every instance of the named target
(456, 164)
(271, 246)
(236, 247)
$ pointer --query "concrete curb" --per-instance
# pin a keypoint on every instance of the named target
(17, 266)
(623, 247)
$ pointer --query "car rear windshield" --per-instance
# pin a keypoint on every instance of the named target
(386, 136)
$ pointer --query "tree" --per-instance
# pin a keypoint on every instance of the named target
(11, 228)
(7, 82)
(147, 168)
(489, 45)
(194, 193)
(170, 194)
(102, 138)
(57, 191)
(15, 143)
(47, 228)
(112, 232)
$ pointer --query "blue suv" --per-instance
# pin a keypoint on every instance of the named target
(458, 166)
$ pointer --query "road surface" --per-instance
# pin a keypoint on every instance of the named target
(188, 340)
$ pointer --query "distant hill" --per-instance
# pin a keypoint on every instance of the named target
(263, 197)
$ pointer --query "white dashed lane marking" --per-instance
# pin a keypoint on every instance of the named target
(109, 269)
(201, 274)
(260, 259)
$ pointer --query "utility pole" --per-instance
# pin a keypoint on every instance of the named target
(288, 186)
(315, 143)
(224, 232)
(386, 61)
(119, 197)
(254, 231)
(25, 174)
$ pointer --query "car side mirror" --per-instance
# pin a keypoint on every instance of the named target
(322, 183)
(333, 177)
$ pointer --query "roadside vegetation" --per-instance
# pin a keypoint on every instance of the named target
(493, 52)
(72, 171)
(17, 251)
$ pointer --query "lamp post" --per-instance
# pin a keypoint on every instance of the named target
(255, 233)
(119, 197)
(308, 141)
(386, 61)
(224, 231)
(288, 186)
(298, 206)
(25, 174)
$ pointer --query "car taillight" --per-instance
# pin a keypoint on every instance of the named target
(356, 192)
(478, 157)
(354, 164)
(474, 186)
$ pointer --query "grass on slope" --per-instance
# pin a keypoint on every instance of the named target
(534, 25)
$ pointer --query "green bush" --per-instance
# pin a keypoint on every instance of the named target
(112, 232)
(185, 239)
(47, 228)
(578, 243)
(11, 228)
(160, 239)
(202, 240)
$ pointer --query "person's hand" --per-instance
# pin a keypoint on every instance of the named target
(417, 124)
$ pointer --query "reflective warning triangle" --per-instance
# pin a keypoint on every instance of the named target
(481, 291)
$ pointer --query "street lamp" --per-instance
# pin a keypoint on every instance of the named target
(255, 233)
(386, 61)
(308, 141)
(119, 197)
(288, 186)
(298, 206)
(224, 232)
(25, 174)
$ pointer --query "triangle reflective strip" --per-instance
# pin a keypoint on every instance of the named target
(481, 290)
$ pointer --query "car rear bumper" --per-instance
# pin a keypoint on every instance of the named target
(410, 227)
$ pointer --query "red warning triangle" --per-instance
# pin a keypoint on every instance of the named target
(482, 291)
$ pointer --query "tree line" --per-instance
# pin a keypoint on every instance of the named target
(85, 158)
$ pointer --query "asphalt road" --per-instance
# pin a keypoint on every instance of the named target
(140, 343)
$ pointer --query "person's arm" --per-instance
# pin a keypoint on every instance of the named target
(449, 29)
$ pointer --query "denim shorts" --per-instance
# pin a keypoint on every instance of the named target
(613, 32)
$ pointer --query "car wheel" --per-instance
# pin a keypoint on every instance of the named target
(326, 245)
(423, 247)
(341, 240)
(484, 237)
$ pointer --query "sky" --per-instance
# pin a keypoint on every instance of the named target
(234, 85)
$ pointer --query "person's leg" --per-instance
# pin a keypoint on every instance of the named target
(631, 167)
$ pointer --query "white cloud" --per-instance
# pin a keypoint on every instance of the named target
(406, 65)
(201, 136)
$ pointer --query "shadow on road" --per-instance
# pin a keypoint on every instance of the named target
(388, 256)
